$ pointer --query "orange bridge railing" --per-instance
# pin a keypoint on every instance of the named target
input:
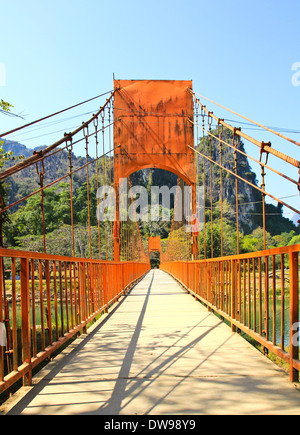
(48, 300)
(256, 293)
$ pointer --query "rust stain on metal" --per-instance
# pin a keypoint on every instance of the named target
(153, 128)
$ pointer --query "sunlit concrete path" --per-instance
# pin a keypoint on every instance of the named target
(159, 352)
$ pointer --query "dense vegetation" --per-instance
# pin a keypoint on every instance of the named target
(24, 227)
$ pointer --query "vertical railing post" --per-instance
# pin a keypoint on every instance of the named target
(105, 287)
(208, 283)
(83, 295)
(115, 295)
(233, 292)
(25, 316)
(239, 283)
(93, 289)
(187, 275)
(48, 292)
(267, 297)
(294, 310)
(122, 278)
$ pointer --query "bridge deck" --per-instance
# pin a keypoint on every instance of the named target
(160, 352)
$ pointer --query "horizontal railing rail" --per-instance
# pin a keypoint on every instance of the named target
(257, 293)
(45, 300)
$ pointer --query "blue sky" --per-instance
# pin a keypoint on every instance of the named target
(240, 54)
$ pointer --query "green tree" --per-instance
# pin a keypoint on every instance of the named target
(255, 241)
(80, 203)
(4, 106)
(295, 240)
(28, 219)
(283, 239)
(4, 156)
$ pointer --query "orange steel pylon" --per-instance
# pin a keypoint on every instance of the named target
(153, 130)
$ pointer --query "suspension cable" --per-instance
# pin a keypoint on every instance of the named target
(96, 123)
(209, 120)
(220, 132)
(67, 137)
(53, 114)
(86, 135)
(41, 174)
(70, 149)
(234, 143)
(267, 146)
(246, 181)
(247, 119)
(54, 182)
(246, 155)
(204, 184)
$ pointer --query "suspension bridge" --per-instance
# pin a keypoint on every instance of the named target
(138, 339)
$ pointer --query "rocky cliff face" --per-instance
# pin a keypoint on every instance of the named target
(26, 181)
(249, 199)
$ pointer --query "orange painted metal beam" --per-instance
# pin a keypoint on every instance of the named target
(152, 127)
(154, 244)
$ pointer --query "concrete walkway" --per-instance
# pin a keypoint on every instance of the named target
(160, 352)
